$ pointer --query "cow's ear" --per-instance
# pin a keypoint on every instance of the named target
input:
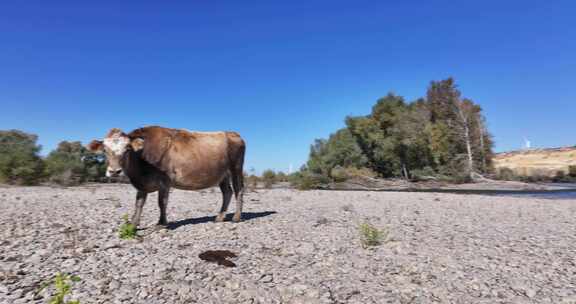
(137, 144)
(95, 146)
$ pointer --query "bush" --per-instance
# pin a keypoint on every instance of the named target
(536, 178)
(560, 177)
(572, 171)
(127, 230)
(281, 177)
(19, 160)
(340, 174)
(62, 288)
(352, 172)
(307, 181)
(269, 178)
(425, 173)
(252, 182)
(506, 174)
(371, 236)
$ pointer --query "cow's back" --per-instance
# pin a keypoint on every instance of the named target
(197, 160)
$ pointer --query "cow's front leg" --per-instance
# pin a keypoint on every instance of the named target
(162, 204)
(140, 201)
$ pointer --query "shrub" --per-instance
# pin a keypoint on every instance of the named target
(506, 174)
(19, 160)
(425, 173)
(281, 177)
(352, 172)
(560, 176)
(269, 178)
(127, 230)
(339, 174)
(536, 178)
(371, 236)
(62, 288)
(252, 182)
(572, 171)
(307, 181)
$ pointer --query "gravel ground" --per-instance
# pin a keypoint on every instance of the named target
(293, 247)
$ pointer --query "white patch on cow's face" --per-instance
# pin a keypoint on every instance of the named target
(117, 144)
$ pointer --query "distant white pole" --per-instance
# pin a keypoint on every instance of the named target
(527, 143)
(290, 169)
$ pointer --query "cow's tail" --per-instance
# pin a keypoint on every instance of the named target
(237, 150)
(238, 173)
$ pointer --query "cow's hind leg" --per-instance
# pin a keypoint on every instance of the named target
(140, 201)
(226, 197)
(163, 194)
(238, 184)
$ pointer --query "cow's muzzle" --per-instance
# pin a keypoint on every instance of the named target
(113, 172)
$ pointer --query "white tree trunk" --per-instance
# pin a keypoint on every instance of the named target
(469, 150)
(464, 119)
(405, 172)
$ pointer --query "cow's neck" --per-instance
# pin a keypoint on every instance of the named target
(129, 164)
(132, 167)
(142, 175)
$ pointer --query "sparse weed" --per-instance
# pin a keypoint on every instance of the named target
(127, 230)
(62, 288)
(321, 221)
(371, 236)
(348, 208)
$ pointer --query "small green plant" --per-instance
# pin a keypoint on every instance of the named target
(62, 288)
(371, 236)
(127, 230)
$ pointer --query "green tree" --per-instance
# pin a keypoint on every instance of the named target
(379, 137)
(441, 134)
(441, 98)
(71, 164)
(317, 160)
(459, 139)
(412, 143)
(19, 159)
(340, 150)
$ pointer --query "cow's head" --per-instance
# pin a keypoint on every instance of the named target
(114, 145)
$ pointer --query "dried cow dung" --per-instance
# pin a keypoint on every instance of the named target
(218, 256)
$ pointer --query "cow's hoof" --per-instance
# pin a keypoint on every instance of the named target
(161, 226)
(220, 218)
(237, 219)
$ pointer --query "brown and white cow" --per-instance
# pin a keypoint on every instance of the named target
(157, 159)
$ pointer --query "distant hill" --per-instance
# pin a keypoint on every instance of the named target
(537, 162)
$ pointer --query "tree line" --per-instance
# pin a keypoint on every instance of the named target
(441, 135)
(69, 164)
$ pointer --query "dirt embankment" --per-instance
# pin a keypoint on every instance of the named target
(293, 247)
(537, 162)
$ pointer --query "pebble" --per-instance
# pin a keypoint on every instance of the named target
(461, 248)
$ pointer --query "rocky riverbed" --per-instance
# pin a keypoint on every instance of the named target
(292, 247)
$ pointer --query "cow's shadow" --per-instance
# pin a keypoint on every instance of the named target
(246, 216)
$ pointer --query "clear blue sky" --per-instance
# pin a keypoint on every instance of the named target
(281, 72)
